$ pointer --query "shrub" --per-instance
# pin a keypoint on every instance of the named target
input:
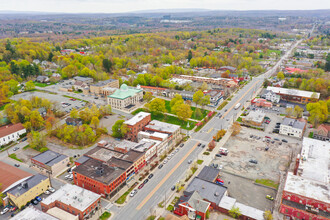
(43, 149)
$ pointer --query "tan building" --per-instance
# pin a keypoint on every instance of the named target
(50, 162)
(126, 98)
(97, 88)
(27, 190)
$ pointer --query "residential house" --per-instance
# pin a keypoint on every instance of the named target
(74, 200)
(42, 79)
(12, 132)
(292, 127)
(322, 132)
(192, 205)
(74, 121)
(230, 68)
(50, 162)
(271, 96)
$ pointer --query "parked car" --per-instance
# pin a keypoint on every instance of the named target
(173, 188)
(13, 209)
(203, 145)
(145, 181)
(218, 155)
(134, 191)
(276, 131)
(253, 161)
(34, 202)
(67, 176)
(47, 192)
(4, 211)
(24, 139)
(17, 165)
(51, 189)
(199, 144)
(160, 166)
(16, 148)
(189, 161)
(220, 180)
(150, 176)
(266, 148)
(276, 139)
(165, 161)
(38, 198)
(181, 145)
(270, 197)
(225, 110)
(268, 137)
(285, 141)
(141, 185)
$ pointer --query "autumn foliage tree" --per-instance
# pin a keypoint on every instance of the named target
(236, 128)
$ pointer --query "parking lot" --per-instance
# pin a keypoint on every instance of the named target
(52, 97)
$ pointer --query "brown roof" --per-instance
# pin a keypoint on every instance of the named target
(9, 129)
(324, 126)
(10, 175)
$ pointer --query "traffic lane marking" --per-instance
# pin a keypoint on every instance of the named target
(239, 100)
(165, 178)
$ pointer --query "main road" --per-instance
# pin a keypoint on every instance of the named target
(155, 191)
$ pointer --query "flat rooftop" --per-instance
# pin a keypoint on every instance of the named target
(31, 213)
(294, 123)
(103, 83)
(137, 118)
(123, 144)
(255, 116)
(151, 134)
(102, 154)
(293, 92)
(145, 144)
(49, 157)
(61, 214)
(162, 126)
(31, 182)
(132, 155)
(99, 171)
(315, 160)
(209, 173)
(74, 196)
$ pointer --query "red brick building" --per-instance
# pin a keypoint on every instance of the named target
(74, 200)
(192, 205)
(306, 190)
(137, 124)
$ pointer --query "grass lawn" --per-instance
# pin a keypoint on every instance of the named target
(105, 215)
(278, 52)
(173, 120)
(203, 111)
(239, 119)
(13, 156)
(200, 162)
(267, 182)
(193, 170)
(39, 84)
(26, 147)
(206, 153)
(122, 199)
(170, 208)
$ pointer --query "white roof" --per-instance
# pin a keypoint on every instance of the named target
(293, 92)
(31, 213)
(154, 134)
(138, 117)
(315, 160)
(74, 196)
(250, 211)
(227, 202)
(256, 116)
(308, 188)
(162, 126)
(61, 214)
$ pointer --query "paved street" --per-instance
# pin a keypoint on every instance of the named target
(141, 206)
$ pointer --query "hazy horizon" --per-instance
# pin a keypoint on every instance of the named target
(126, 6)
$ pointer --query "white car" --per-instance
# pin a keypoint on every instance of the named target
(165, 161)
(67, 176)
(47, 192)
(4, 211)
(133, 193)
(51, 189)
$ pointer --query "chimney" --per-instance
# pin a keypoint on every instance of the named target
(296, 165)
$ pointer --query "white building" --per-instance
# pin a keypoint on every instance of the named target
(272, 96)
(292, 127)
(10, 133)
(161, 137)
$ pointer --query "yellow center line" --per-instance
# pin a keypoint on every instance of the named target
(210, 130)
(164, 179)
(239, 100)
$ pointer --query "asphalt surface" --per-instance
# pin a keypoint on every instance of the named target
(141, 205)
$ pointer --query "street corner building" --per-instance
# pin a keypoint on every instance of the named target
(50, 162)
(74, 200)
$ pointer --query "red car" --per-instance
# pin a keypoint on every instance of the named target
(13, 209)
(140, 187)
(220, 180)
(268, 137)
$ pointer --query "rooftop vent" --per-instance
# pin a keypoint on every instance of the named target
(100, 170)
(216, 194)
(75, 197)
(24, 185)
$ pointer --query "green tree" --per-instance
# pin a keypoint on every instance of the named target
(197, 97)
(327, 64)
(157, 106)
(184, 112)
(289, 112)
(95, 122)
(36, 120)
(298, 111)
(268, 215)
(280, 75)
(190, 56)
(50, 57)
(74, 113)
(318, 112)
(29, 86)
(107, 65)
(205, 100)
(204, 86)
(117, 129)
(37, 140)
(147, 96)
(235, 212)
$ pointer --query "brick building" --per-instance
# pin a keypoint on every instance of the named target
(162, 127)
(294, 95)
(74, 200)
(137, 124)
(306, 190)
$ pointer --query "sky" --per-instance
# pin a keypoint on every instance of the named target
(116, 6)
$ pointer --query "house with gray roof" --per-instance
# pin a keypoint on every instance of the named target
(50, 162)
(293, 127)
